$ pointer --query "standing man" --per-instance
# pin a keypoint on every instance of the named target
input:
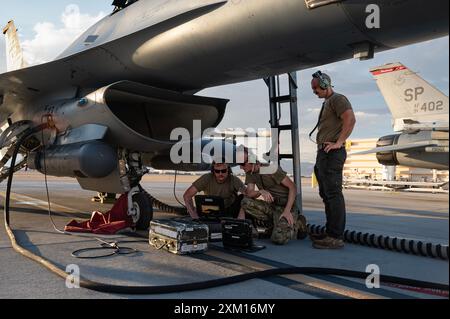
(220, 182)
(336, 123)
(276, 208)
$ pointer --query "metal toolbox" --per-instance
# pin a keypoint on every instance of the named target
(237, 233)
(179, 236)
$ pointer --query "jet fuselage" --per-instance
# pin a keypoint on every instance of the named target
(191, 45)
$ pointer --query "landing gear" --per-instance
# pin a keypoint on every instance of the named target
(143, 208)
(140, 205)
(140, 208)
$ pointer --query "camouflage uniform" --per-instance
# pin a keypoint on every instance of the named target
(270, 214)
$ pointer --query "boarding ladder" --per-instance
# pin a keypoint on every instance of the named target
(278, 101)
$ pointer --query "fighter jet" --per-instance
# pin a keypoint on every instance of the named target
(112, 99)
(420, 114)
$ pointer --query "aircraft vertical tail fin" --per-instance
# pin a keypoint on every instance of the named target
(14, 53)
(408, 96)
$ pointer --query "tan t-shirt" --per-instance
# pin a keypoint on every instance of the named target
(330, 125)
(270, 183)
(228, 190)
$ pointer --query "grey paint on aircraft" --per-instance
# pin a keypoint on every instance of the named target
(152, 51)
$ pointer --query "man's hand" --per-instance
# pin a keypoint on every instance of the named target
(289, 217)
(332, 146)
(243, 190)
(267, 196)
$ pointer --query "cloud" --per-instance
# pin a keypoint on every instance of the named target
(367, 115)
(50, 40)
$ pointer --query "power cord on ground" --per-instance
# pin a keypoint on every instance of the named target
(78, 253)
(114, 246)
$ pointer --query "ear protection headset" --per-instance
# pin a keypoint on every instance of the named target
(324, 80)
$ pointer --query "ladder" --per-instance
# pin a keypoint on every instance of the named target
(277, 102)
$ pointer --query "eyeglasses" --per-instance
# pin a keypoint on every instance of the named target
(221, 171)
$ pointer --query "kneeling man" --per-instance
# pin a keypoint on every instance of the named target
(276, 207)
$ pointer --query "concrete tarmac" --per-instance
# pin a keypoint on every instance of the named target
(407, 215)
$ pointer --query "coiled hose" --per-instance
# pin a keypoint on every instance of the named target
(401, 245)
(165, 207)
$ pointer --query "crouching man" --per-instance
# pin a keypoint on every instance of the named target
(220, 182)
(276, 208)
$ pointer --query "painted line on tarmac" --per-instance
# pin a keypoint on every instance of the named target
(304, 280)
(343, 281)
(242, 268)
(31, 201)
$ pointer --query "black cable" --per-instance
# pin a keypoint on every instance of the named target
(317, 125)
(77, 253)
(46, 184)
(5, 137)
(114, 246)
(174, 190)
(187, 286)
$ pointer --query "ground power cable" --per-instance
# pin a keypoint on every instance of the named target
(112, 247)
(146, 290)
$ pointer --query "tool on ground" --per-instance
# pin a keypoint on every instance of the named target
(179, 237)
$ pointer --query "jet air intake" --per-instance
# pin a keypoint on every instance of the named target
(139, 117)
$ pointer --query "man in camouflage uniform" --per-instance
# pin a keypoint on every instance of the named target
(277, 208)
(220, 182)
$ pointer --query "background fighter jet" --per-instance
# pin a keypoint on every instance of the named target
(113, 97)
(420, 113)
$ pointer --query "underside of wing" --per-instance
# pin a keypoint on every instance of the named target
(391, 148)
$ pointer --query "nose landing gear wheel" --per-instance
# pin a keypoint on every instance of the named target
(144, 211)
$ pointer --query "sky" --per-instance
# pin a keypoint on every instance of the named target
(47, 27)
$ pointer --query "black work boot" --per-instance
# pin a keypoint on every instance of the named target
(329, 243)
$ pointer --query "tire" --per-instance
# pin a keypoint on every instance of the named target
(145, 210)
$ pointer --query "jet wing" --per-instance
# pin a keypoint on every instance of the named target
(391, 148)
(93, 67)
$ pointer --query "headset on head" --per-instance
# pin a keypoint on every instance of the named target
(324, 81)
